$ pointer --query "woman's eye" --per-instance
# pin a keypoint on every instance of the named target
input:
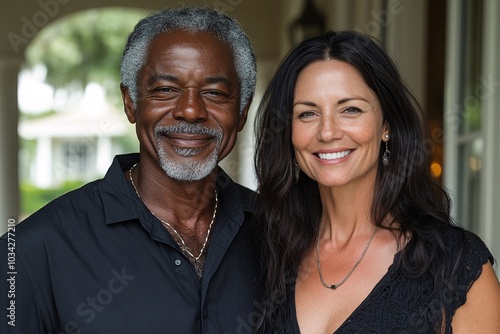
(306, 114)
(352, 110)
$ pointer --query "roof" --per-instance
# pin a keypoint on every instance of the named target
(93, 117)
(76, 124)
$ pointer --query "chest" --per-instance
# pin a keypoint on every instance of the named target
(323, 310)
(397, 304)
(137, 284)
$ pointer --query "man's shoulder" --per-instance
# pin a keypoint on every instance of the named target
(82, 204)
(243, 195)
(235, 191)
(61, 211)
(245, 191)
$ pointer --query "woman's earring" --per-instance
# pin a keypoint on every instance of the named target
(387, 153)
(296, 170)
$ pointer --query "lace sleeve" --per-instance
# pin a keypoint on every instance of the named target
(476, 254)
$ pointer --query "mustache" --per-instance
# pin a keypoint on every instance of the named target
(188, 128)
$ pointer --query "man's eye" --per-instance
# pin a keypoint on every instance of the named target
(216, 96)
(164, 89)
(215, 93)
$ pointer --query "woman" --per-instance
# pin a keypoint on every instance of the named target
(357, 236)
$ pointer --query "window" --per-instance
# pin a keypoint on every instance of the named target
(77, 158)
(470, 141)
(472, 117)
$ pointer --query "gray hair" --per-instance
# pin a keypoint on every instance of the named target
(192, 19)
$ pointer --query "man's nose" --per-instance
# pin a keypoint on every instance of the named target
(190, 107)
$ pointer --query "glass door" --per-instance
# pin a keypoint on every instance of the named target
(472, 117)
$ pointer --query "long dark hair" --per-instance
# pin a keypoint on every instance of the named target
(289, 211)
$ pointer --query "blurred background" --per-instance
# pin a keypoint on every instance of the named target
(62, 120)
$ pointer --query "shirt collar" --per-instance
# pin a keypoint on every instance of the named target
(122, 204)
(117, 195)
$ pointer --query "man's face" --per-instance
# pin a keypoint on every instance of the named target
(187, 114)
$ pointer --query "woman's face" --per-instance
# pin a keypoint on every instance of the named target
(337, 126)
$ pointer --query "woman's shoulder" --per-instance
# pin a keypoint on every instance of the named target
(468, 253)
(463, 242)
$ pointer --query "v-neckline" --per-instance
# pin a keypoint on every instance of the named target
(380, 284)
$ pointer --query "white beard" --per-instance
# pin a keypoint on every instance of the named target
(191, 170)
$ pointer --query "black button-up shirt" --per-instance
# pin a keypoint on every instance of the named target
(97, 261)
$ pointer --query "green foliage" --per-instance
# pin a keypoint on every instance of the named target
(84, 47)
(33, 198)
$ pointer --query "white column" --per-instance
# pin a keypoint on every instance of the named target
(43, 162)
(246, 147)
(9, 144)
(104, 154)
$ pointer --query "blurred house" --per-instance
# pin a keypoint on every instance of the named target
(77, 144)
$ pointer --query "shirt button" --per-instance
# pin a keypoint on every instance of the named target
(178, 262)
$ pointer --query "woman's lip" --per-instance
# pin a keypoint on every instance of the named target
(334, 155)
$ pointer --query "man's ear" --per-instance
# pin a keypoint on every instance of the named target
(128, 105)
(244, 114)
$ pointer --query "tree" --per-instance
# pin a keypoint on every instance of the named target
(84, 47)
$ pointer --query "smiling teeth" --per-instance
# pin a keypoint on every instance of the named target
(187, 152)
(332, 156)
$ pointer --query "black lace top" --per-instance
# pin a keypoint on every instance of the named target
(399, 304)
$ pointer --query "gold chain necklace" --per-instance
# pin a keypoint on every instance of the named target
(184, 246)
(335, 286)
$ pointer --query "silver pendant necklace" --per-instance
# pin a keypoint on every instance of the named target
(335, 286)
(183, 245)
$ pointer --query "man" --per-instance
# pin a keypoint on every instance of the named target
(162, 244)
